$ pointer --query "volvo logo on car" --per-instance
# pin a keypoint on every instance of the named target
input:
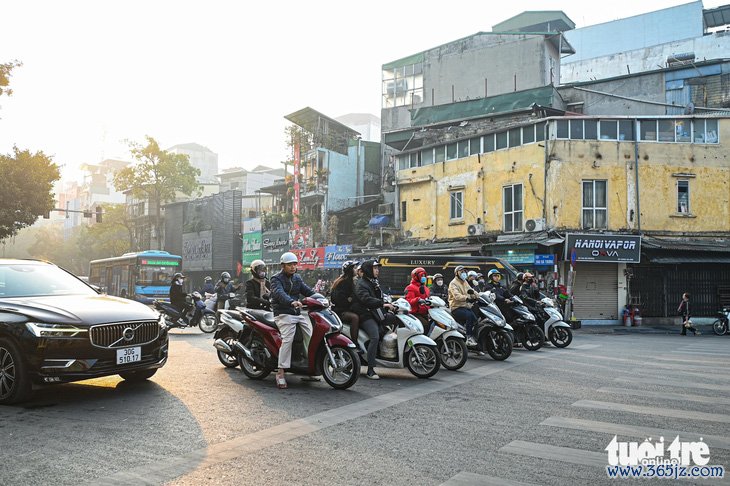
(128, 334)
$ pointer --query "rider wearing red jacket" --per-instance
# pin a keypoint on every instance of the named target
(417, 291)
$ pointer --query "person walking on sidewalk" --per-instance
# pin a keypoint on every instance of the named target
(683, 311)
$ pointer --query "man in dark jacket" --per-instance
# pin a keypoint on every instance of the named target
(438, 289)
(370, 306)
(683, 311)
(529, 292)
(258, 288)
(224, 288)
(286, 286)
(503, 297)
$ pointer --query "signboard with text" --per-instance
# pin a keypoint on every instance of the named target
(336, 255)
(603, 248)
(197, 250)
(544, 260)
(310, 258)
(251, 248)
(273, 245)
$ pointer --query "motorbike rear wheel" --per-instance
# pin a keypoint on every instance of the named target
(561, 337)
(453, 353)
(719, 327)
(347, 371)
(429, 361)
(253, 371)
(208, 323)
(501, 348)
(534, 338)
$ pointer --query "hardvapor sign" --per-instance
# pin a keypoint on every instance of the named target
(603, 248)
(336, 255)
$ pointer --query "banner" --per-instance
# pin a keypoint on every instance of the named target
(274, 244)
(251, 248)
(197, 250)
(297, 168)
(336, 255)
(310, 258)
(301, 237)
(603, 248)
(251, 225)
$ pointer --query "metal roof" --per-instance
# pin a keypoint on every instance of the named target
(720, 245)
(310, 119)
(716, 17)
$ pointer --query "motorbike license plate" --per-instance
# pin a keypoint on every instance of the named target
(129, 355)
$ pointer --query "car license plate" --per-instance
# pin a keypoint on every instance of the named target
(129, 355)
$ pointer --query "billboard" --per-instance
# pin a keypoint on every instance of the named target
(310, 258)
(336, 255)
(197, 250)
(274, 244)
(603, 248)
(251, 248)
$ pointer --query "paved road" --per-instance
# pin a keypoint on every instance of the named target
(537, 418)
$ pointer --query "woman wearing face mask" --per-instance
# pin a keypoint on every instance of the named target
(258, 288)
(438, 289)
(177, 294)
(416, 292)
(461, 297)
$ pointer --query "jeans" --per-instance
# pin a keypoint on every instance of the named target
(465, 316)
(287, 325)
(372, 329)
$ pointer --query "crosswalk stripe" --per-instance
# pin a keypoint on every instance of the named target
(713, 441)
(471, 479)
(674, 383)
(661, 412)
(702, 353)
(555, 453)
(667, 396)
(586, 346)
(642, 362)
(717, 363)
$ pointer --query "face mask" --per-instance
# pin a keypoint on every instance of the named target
(225, 280)
(462, 275)
(179, 281)
(262, 274)
(423, 280)
(481, 281)
(439, 282)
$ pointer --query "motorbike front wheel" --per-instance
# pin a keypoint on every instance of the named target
(423, 361)
(453, 353)
(227, 360)
(534, 338)
(208, 323)
(254, 371)
(719, 327)
(346, 370)
(498, 344)
(561, 337)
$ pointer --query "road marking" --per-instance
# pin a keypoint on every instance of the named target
(166, 469)
(713, 441)
(702, 353)
(471, 479)
(586, 346)
(673, 383)
(685, 397)
(555, 453)
(656, 411)
(667, 366)
(707, 362)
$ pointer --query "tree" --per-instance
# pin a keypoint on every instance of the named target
(156, 176)
(5, 73)
(27, 189)
(113, 237)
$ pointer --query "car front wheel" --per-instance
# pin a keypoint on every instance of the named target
(15, 384)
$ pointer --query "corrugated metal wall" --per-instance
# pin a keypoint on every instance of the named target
(659, 288)
(174, 228)
(595, 293)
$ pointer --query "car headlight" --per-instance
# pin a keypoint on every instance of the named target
(46, 330)
(161, 321)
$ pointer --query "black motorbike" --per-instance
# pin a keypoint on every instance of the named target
(193, 314)
(720, 326)
(491, 331)
(526, 330)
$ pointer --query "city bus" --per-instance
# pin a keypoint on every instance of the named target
(142, 276)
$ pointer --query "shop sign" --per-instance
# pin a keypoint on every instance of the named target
(310, 258)
(520, 257)
(274, 244)
(544, 260)
(251, 248)
(336, 255)
(603, 248)
(197, 251)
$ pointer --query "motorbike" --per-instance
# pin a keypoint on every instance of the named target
(206, 320)
(526, 331)
(444, 331)
(557, 331)
(491, 331)
(720, 326)
(257, 342)
(404, 344)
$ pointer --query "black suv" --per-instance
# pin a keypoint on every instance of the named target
(54, 328)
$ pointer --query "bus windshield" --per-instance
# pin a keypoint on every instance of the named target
(155, 274)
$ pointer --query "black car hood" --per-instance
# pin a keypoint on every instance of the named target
(78, 309)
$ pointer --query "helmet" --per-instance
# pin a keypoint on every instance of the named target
(458, 269)
(208, 278)
(367, 267)
(479, 275)
(437, 275)
(520, 276)
(471, 273)
(197, 296)
(349, 265)
(177, 276)
(417, 271)
(225, 275)
(288, 257)
(257, 263)
(528, 276)
(493, 272)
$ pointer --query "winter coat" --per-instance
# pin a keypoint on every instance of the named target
(285, 290)
(415, 292)
(253, 294)
(459, 293)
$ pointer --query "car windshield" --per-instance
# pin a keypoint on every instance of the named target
(36, 279)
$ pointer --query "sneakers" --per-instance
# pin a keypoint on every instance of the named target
(372, 375)
(470, 341)
(481, 353)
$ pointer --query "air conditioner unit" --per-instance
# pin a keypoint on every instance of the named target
(535, 224)
(385, 209)
(475, 229)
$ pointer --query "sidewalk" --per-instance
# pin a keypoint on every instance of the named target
(705, 329)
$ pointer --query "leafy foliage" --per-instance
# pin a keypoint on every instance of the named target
(27, 189)
(5, 73)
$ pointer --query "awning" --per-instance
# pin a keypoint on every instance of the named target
(379, 221)
(676, 260)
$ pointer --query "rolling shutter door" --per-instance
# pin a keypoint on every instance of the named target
(595, 294)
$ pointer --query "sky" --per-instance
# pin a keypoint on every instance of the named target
(97, 74)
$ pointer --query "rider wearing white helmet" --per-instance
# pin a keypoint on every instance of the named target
(286, 286)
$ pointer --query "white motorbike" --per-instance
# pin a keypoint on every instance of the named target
(720, 326)
(404, 345)
(557, 331)
(444, 331)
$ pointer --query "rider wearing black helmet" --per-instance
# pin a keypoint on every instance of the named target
(177, 294)
(343, 294)
(224, 287)
(258, 288)
(439, 289)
